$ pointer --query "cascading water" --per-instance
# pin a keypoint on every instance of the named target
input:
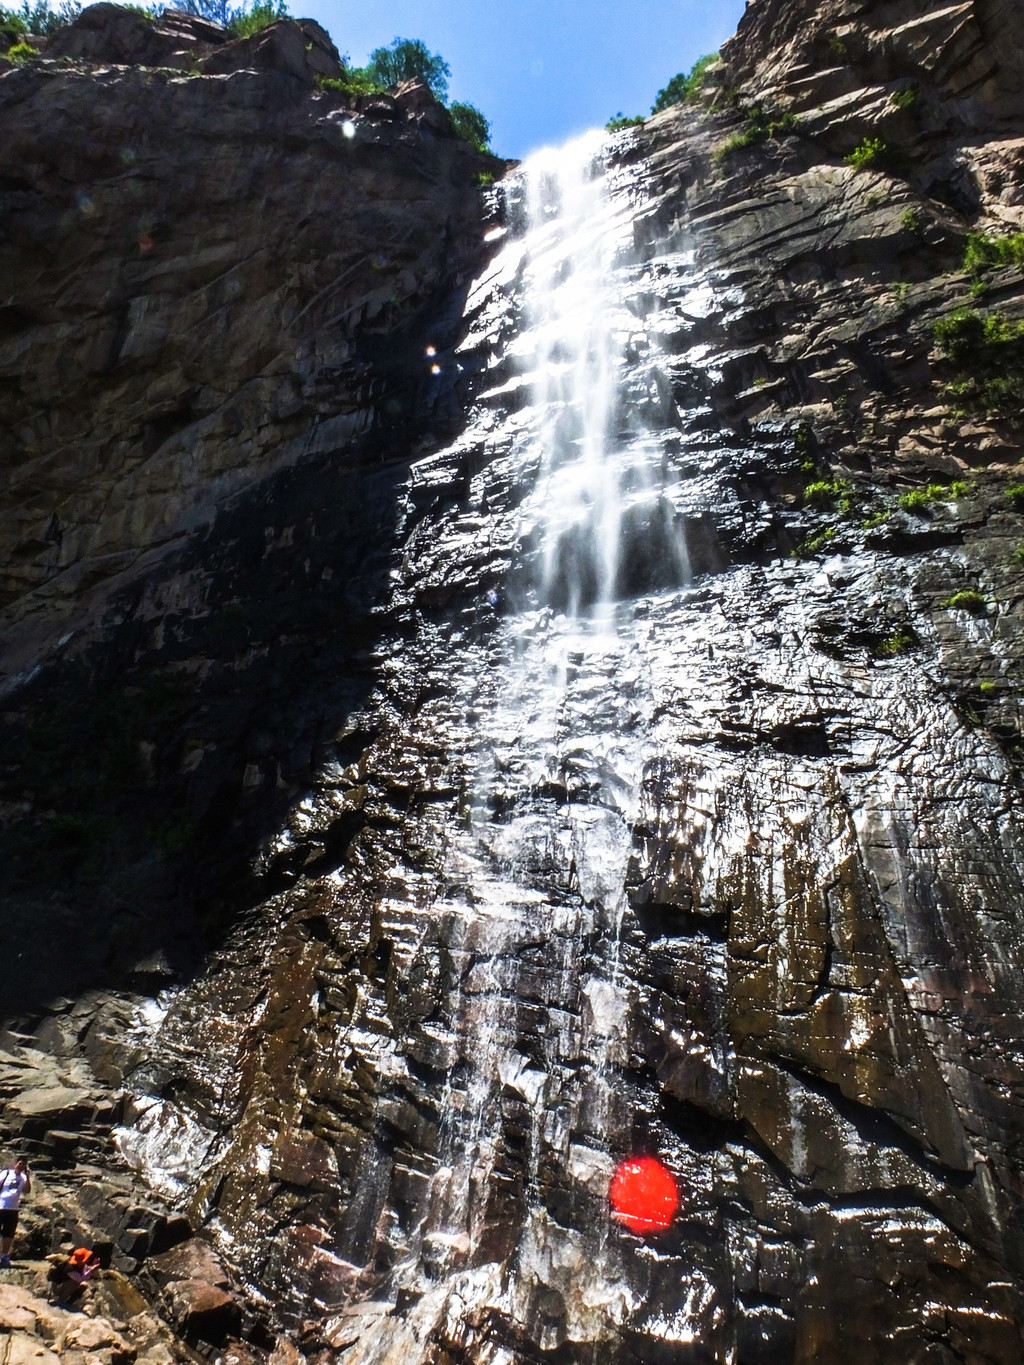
(502, 1095)
(592, 862)
(552, 781)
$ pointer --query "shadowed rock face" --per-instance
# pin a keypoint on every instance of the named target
(492, 898)
(211, 277)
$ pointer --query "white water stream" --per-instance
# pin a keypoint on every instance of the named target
(557, 739)
(561, 742)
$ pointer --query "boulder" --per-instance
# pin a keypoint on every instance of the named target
(124, 37)
(21, 1349)
(97, 1338)
(285, 46)
(415, 98)
(321, 54)
(204, 1311)
(192, 1260)
(44, 1108)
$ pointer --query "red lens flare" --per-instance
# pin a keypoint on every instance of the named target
(644, 1195)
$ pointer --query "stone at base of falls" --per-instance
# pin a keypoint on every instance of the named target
(199, 1292)
(202, 1310)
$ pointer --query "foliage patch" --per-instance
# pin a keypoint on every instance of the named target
(987, 355)
(471, 125)
(406, 59)
(685, 87)
(39, 18)
(921, 499)
(985, 251)
(968, 599)
(761, 126)
(827, 493)
(871, 152)
(907, 98)
(244, 23)
(814, 545)
(901, 641)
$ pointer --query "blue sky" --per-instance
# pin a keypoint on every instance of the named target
(542, 70)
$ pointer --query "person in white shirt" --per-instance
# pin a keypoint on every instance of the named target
(14, 1182)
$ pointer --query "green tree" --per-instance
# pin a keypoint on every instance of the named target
(37, 17)
(471, 125)
(264, 13)
(408, 59)
(685, 87)
(242, 20)
(217, 11)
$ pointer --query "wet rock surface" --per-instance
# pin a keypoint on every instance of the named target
(464, 897)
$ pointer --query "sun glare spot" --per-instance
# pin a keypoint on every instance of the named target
(644, 1195)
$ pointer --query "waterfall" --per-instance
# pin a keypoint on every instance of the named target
(553, 773)
(483, 1072)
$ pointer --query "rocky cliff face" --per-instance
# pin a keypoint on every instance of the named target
(427, 894)
(213, 268)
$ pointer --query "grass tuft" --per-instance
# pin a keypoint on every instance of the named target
(829, 493)
(968, 599)
(761, 126)
(986, 352)
(901, 641)
(921, 499)
(908, 98)
(871, 152)
(814, 544)
(986, 251)
(21, 52)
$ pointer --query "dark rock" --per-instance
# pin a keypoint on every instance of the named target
(299, 50)
(191, 1260)
(203, 1311)
(464, 903)
(106, 32)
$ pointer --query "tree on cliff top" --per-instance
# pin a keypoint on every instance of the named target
(685, 87)
(407, 59)
(471, 125)
(241, 19)
(38, 17)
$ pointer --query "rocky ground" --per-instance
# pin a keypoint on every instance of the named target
(231, 796)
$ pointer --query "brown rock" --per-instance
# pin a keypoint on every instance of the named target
(98, 1338)
(16, 1309)
(21, 1349)
(191, 1260)
(304, 1160)
(284, 1353)
(204, 1311)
